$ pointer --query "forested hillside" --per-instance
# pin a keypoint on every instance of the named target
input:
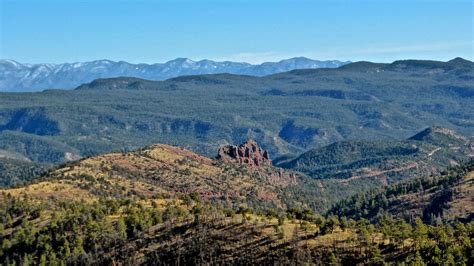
(435, 199)
(288, 113)
(164, 171)
(15, 171)
(140, 208)
(161, 170)
(427, 152)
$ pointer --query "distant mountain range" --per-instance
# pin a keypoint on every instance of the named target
(16, 77)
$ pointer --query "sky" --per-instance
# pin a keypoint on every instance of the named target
(140, 31)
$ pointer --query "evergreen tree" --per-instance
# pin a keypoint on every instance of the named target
(122, 228)
(417, 260)
(42, 261)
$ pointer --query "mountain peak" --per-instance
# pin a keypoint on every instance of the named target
(11, 62)
(120, 83)
(432, 134)
(180, 61)
(298, 58)
(460, 61)
(25, 77)
(363, 66)
(103, 62)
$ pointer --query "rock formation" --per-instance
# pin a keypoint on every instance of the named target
(247, 153)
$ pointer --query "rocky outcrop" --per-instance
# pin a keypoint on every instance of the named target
(247, 153)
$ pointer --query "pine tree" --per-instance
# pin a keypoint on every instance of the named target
(9, 220)
(42, 260)
(27, 260)
(6, 244)
(417, 260)
(66, 250)
(437, 256)
(333, 260)
(449, 259)
(122, 229)
(420, 233)
(78, 248)
(375, 257)
(52, 259)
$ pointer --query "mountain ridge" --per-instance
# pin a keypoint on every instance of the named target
(428, 152)
(162, 170)
(201, 112)
(446, 196)
(35, 77)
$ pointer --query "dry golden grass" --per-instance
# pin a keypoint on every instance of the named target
(48, 190)
(162, 171)
(329, 240)
(463, 201)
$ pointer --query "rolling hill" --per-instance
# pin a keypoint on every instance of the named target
(288, 113)
(427, 152)
(166, 171)
(163, 205)
(437, 198)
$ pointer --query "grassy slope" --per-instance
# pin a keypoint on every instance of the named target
(69, 218)
(164, 171)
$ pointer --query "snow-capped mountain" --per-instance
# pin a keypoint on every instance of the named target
(16, 77)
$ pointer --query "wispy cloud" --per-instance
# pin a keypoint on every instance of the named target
(255, 57)
(428, 47)
(390, 52)
(376, 52)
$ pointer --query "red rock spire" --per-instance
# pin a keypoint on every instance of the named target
(247, 153)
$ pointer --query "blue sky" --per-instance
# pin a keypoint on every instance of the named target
(55, 31)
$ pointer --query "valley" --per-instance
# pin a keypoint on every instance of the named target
(359, 101)
(236, 133)
(363, 164)
(427, 152)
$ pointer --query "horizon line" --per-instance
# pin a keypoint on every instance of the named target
(228, 61)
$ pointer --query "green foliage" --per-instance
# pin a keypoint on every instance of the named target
(74, 233)
(374, 203)
(320, 106)
(15, 171)
(345, 159)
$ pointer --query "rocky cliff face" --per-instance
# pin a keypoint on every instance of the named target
(247, 153)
